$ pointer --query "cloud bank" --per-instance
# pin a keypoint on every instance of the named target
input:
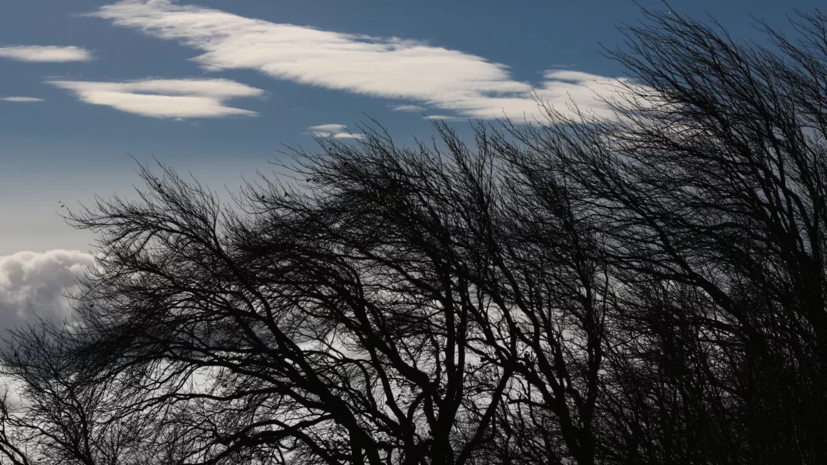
(21, 99)
(165, 98)
(393, 68)
(45, 53)
(33, 285)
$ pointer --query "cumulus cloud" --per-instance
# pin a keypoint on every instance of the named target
(21, 99)
(437, 77)
(338, 131)
(45, 53)
(34, 285)
(165, 98)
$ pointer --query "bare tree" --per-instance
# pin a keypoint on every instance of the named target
(708, 191)
(56, 414)
(642, 289)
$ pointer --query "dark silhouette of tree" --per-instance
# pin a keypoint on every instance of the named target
(641, 289)
(60, 417)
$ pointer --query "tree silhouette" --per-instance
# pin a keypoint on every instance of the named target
(641, 289)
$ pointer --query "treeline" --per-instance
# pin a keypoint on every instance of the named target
(642, 289)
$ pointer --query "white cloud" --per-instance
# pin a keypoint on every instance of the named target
(338, 131)
(443, 79)
(408, 108)
(327, 128)
(45, 53)
(441, 117)
(33, 284)
(21, 99)
(347, 135)
(165, 98)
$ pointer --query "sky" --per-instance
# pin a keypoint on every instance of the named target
(218, 87)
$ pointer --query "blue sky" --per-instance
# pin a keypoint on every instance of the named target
(217, 86)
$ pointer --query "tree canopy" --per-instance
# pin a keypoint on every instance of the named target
(642, 289)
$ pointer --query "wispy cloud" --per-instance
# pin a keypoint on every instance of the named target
(439, 78)
(338, 131)
(441, 117)
(21, 99)
(45, 53)
(407, 108)
(165, 98)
